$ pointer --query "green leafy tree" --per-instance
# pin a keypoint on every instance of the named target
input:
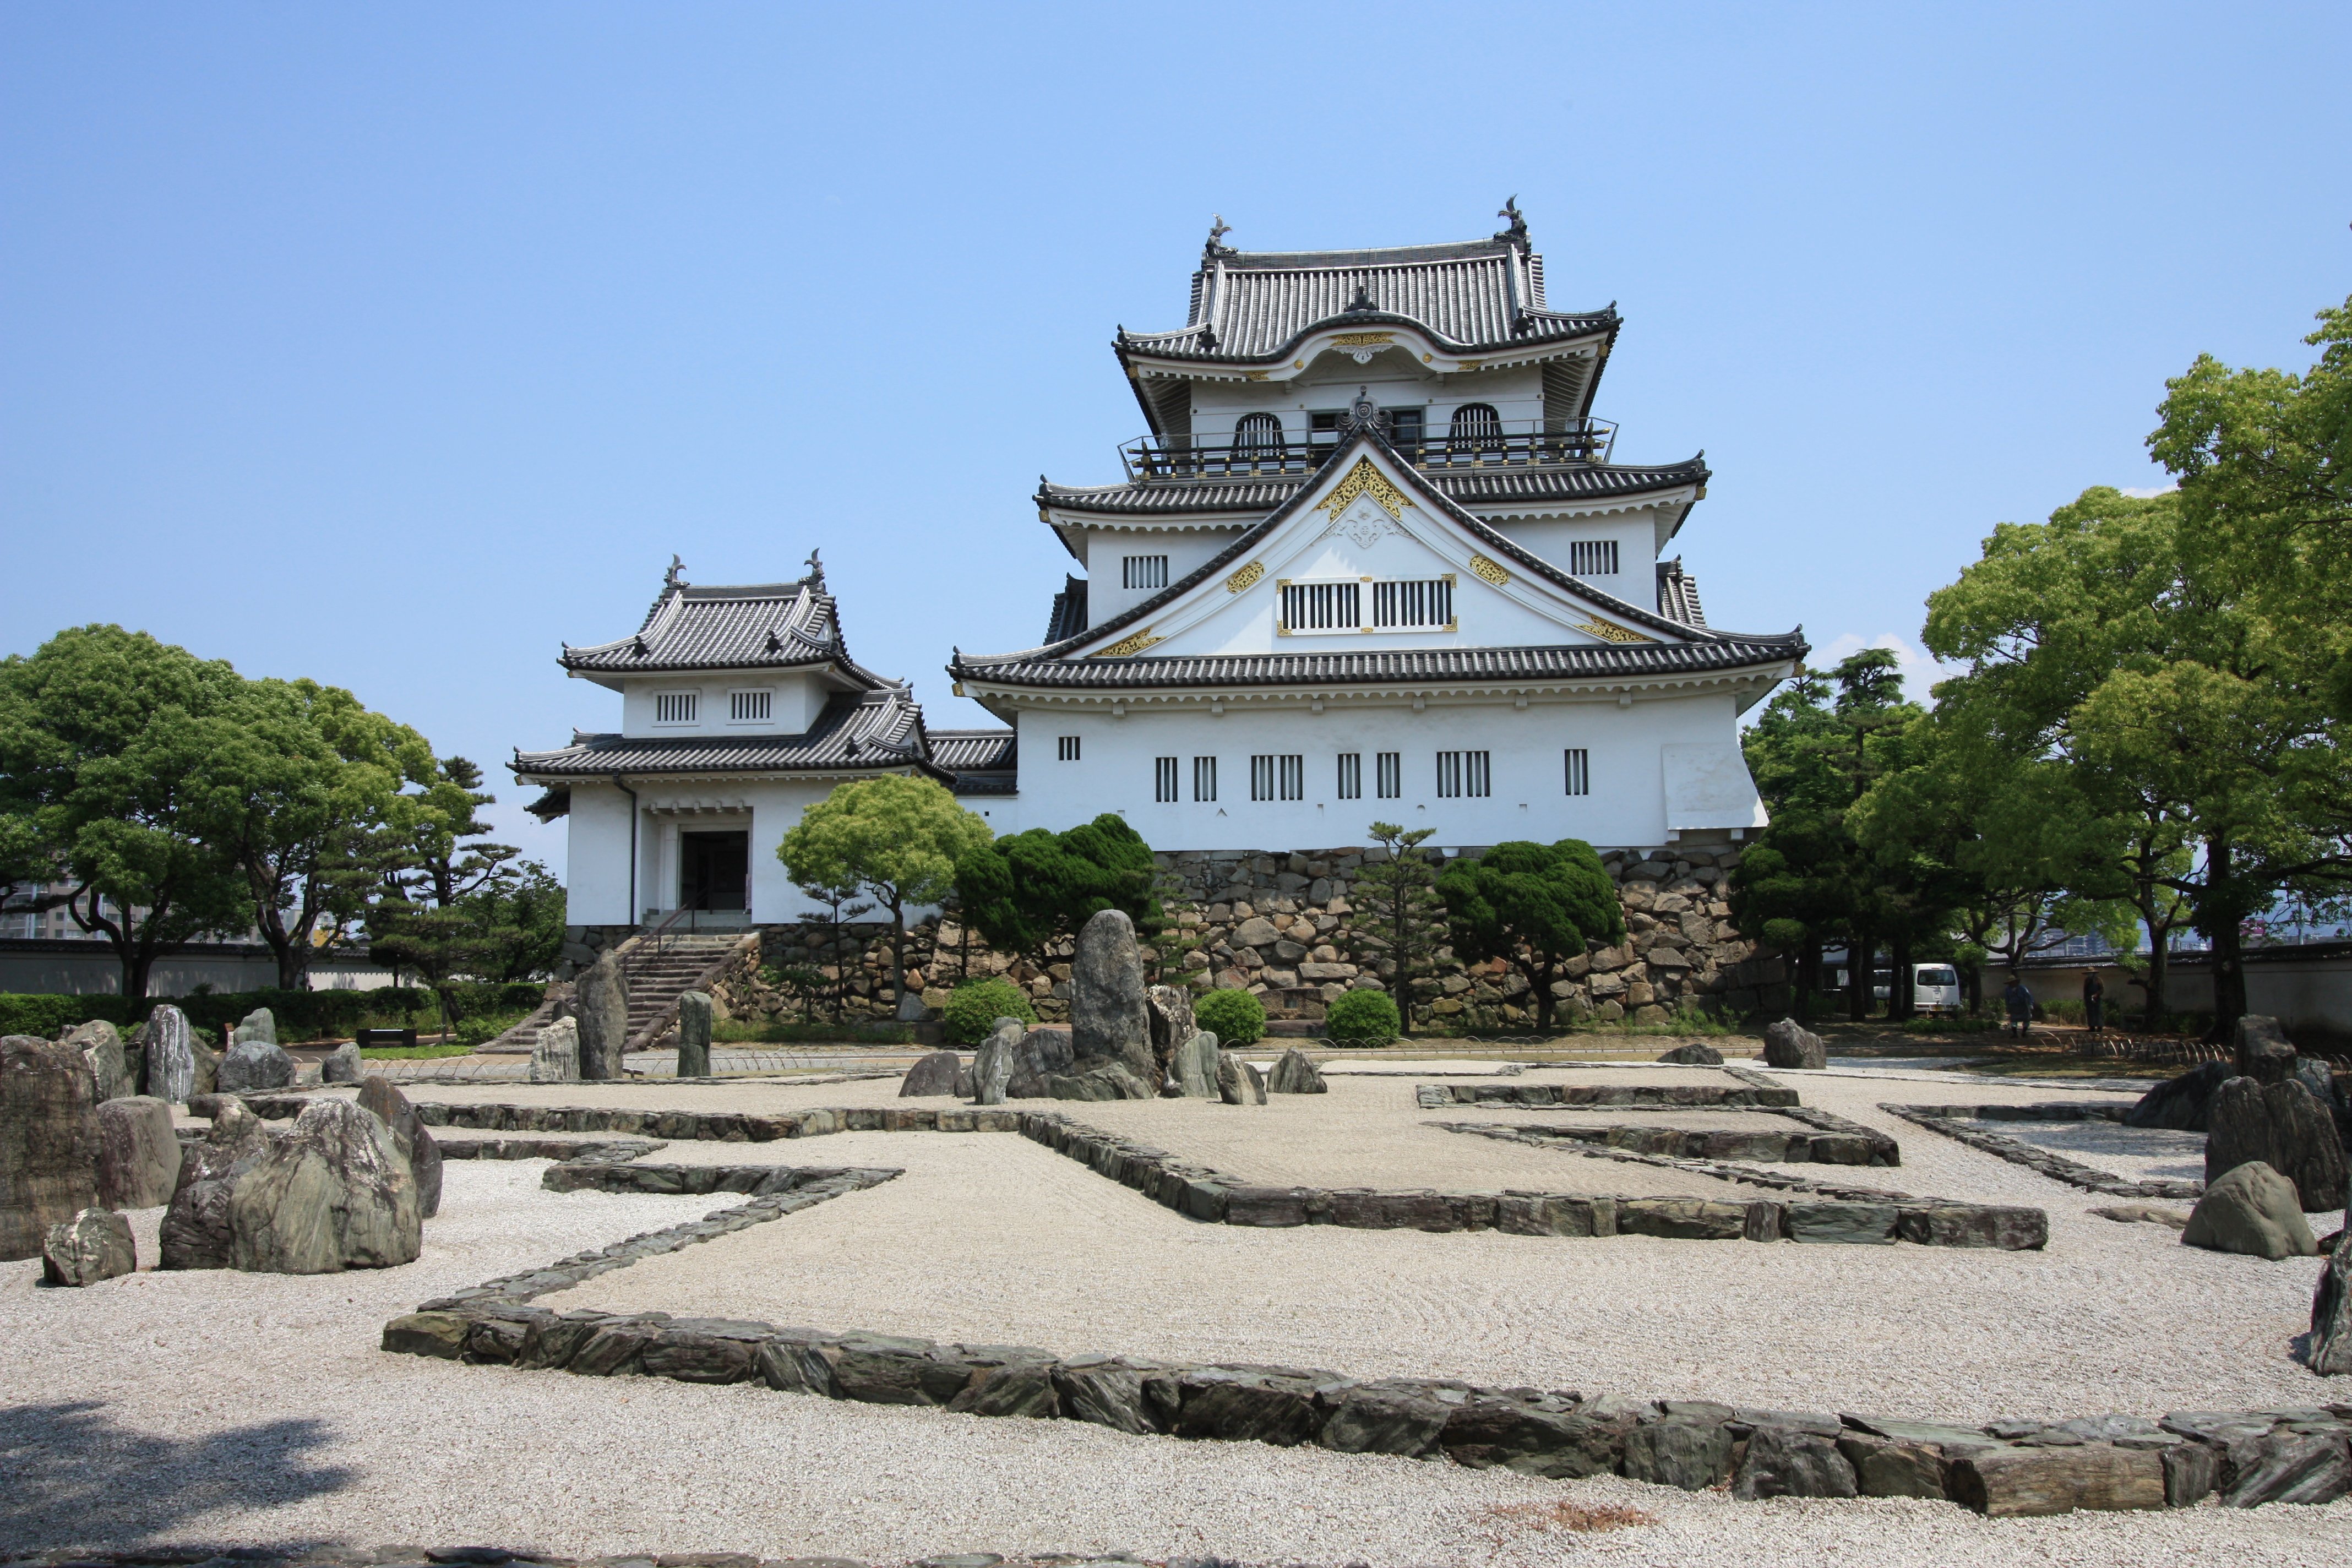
(1026, 889)
(895, 836)
(1403, 923)
(1534, 906)
(103, 734)
(449, 905)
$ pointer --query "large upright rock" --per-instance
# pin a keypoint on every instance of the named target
(1238, 1082)
(195, 1233)
(2253, 1210)
(601, 1006)
(1788, 1044)
(1042, 1052)
(1196, 1066)
(100, 1045)
(332, 1192)
(411, 1136)
(2331, 1312)
(342, 1065)
(255, 1063)
(1169, 1010)
(1295, 1074)
(555, 1054)
(932, 1074)
(137, 1153)
(2182, 1104)
(260, 1024)
(2284, 1125)
(993, 1065)
(694, 1013)
(94, 1244)
(48, 1141)
(1108, 1020)
(2264, 1052)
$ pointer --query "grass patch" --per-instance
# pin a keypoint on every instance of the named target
(742, 1032)
(412, 1053)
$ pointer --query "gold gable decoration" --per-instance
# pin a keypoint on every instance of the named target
(1246, 577)
(1607, 632)
(1364, 479)
(1128, 646)
(1362, 340)
(1494, 572)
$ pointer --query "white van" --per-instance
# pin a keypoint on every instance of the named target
(1935, 987)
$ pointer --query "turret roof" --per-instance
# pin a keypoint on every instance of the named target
(765, 626)
(1468, 486)
(881, 730)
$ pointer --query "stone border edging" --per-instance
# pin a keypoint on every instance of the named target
(1648, 1096)
(1945, 1119)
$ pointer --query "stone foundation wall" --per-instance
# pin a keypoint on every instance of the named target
(1284, 925)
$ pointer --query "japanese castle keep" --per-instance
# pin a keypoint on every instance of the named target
(1373, 559)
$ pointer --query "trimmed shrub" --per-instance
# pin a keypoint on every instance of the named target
(1363, 1018)
(33, 1012)
(974, 1006)
(1235, 1017)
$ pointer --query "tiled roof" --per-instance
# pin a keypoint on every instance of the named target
(1069, 614)
(879, 730)
(973, 751)
(767, 625)
(1475, 487)
(1678, 593)
(1599, 661)
(1253, 305)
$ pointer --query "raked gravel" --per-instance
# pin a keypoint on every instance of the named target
(238, 1408)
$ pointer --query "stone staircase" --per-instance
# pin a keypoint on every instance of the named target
(657, 971)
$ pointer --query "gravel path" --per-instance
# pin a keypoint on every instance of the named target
(228, 1408)
(2135, 1154)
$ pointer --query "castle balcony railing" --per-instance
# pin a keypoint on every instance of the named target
(1495, 444)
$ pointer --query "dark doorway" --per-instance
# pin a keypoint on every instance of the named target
(711, 870)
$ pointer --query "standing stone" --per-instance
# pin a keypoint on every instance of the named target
(137, 1152)
(2284, 1125)
(1042, 1054)
(932, 1074)
(94, 1244)
(48, 1141)
(2331, 1312)
(1788, 1044)
(100, 1045)
(1109, 1021)
(195, 1233)
(1238, 1082)
(555, 1054)
(135, 1059)
(602, 1006)
(1170, 1008)
(255, 1063)
(1293, 1074)
(1196, 1066)
(992, 1068)
(693, 1035)
(411, 1136)
(2252, 1209)
(2264, 1052)
(258, 1024)
(342, 1064)
(2182, 1104)
(332, 1192)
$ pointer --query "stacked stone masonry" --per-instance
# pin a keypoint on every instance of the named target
(1285, 927)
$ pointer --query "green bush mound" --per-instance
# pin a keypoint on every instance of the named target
(748, 1031)
(301, 1014)
(974, 1006)
(1363, 1018)
(1235, 1017)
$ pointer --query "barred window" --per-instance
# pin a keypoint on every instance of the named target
(1204, 778)
(1476, 427)
(1065, 748)
(1257, 432)
(1163, 779)
(1143, 570)
(1449, 774)
(1580, 771)
(1592, 557)
(1293, 778)
(1464, 773)
(675, 707)
(1320, 607)
(1351, 775)
(747, 706)
(1388, 768)
(1262, 776)
(1427, 601)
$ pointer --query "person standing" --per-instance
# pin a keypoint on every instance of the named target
(2095, 996)
(2021, 1007)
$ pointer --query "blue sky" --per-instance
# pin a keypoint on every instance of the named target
(395, 346)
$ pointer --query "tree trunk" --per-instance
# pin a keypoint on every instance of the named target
(2221, 920)
(1900, 997)
(2159, 959)
(1862, 960)
(897, 957)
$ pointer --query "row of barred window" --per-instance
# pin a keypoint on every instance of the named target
(1282, 775)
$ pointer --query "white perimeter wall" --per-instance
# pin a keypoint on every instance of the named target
(1114, 773)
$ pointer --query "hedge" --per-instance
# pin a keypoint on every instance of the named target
(1237, 1017)
(301, 1014)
